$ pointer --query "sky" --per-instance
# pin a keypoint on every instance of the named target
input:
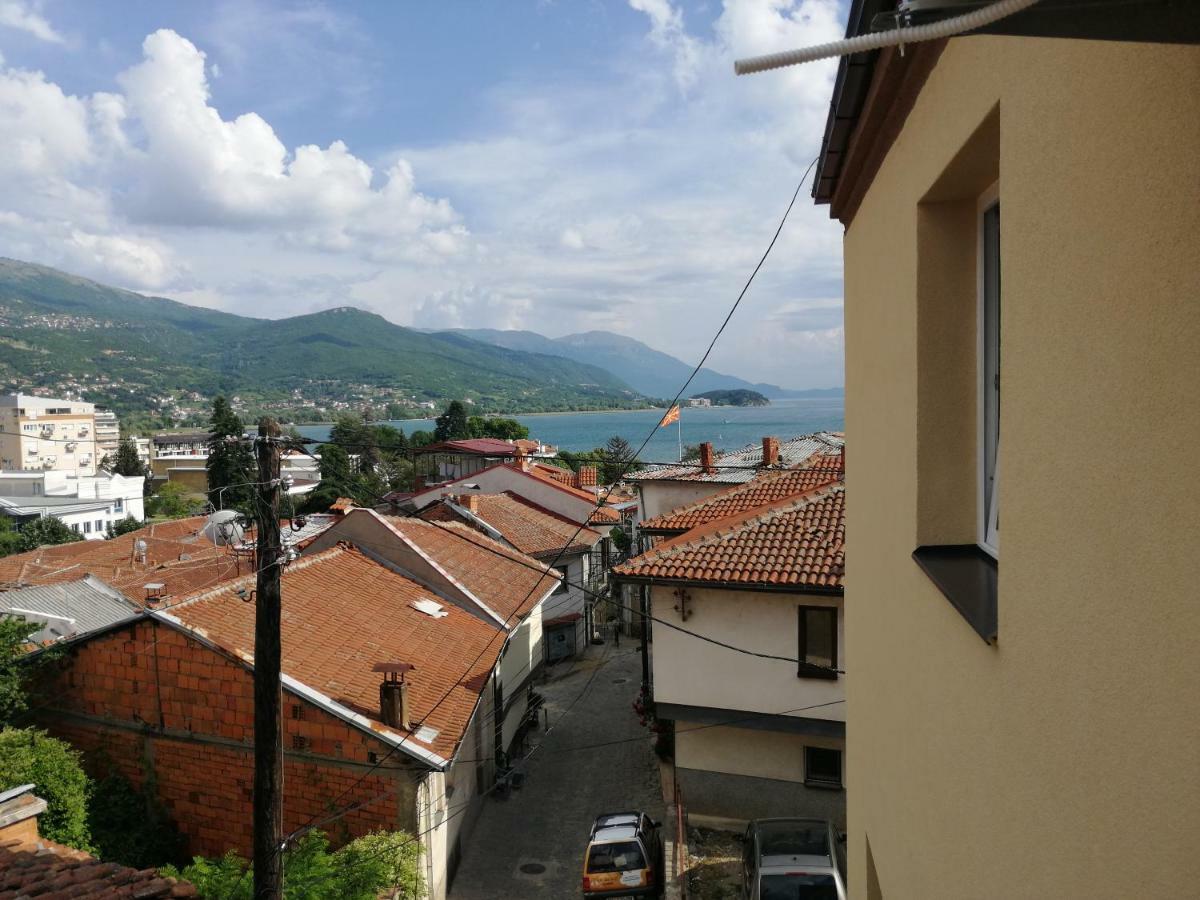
(553, 165)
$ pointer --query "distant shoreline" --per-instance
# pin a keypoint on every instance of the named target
(559, 412)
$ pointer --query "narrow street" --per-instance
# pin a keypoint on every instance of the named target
(531, 844)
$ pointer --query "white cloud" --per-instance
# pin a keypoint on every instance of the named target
(471, 307)
(667, 31)
(571, 239)
(26, 17)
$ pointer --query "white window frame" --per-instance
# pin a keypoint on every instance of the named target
(987, 516)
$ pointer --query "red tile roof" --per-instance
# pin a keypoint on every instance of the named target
(740, 466)
(506, 581)
(527, 526)
(767, 487)
(46, 869)
(472, 447)
(797, 543)
(342, 613)
(112, 561)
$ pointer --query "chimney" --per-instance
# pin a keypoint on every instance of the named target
(469, 502)
(706, 458)
(393, 695)
(589, 476)
(771, 451)
(19, 811)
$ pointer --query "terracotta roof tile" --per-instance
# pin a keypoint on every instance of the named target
(768, 486)
(46, 869)
(747, 461)
(508, 582)
(528, 527)
(796, 542)
(342, 613)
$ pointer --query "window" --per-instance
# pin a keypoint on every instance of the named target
(87, 528)
(99, 524)
(989, 372)
(75, 527)
(818, 642)
(822, 767)
(118, 506)
(565, 584)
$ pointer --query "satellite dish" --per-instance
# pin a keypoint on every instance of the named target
(224, 527)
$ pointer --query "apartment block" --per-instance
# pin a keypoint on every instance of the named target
(42, 433)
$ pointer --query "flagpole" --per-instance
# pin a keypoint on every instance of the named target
(679, 433)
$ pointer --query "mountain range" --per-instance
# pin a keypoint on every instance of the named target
(127, 350)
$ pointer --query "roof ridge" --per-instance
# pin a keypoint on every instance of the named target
(727, 526)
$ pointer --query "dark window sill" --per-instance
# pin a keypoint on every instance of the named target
(811, 671)
(966, 575)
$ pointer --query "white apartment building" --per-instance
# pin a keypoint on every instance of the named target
(41, 434)
(108, 433)
(87, 503)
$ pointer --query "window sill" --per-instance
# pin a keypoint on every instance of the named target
(807, 671)
(967, 576)
(823, 785)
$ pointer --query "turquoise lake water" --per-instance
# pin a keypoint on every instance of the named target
(727, 427)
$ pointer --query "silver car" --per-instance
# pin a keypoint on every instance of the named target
(792, 859)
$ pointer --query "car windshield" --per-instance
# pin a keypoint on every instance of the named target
(796, 886)
(620, 856)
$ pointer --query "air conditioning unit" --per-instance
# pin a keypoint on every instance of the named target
(32, 450)
(70, 446)
(48, 462)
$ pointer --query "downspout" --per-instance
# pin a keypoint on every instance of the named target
(643, 594)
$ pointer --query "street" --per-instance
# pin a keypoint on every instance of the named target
(531, 844)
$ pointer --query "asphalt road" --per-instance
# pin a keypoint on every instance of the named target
(545, 824)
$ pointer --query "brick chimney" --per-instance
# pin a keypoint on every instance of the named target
(706, 458)
(589, 476)
(469, 502)
(770, 451)
(19, 811)
(393, 695)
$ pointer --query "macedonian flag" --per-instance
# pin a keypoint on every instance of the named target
(670, 418)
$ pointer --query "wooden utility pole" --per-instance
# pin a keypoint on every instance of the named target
(268, 746)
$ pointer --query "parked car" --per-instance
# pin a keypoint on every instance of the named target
(624, 857)
(792, 859)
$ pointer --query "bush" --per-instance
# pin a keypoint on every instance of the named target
(124, 526)
(48, 530)
(131, 827)
(359, 871)
(30, 756)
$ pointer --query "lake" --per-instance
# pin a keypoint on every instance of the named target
(728, 427)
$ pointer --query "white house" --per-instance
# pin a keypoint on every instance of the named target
(87, 503)
(750, 676)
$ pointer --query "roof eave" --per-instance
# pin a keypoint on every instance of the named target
(772, 587)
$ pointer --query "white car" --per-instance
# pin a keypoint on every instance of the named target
(792, 859)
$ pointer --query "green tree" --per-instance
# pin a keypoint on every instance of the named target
(451, 425)
(230, 464)
(127, 462)
(11, 540)
(14, 647)
(47, 530)
(495, 427)
(30, 756)
(359, 871)
(616, 459)
(124, 526)
(355, 435)
(420, 438)
(174, 500)
(131, 827)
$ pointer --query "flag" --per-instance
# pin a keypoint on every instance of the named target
(670, 418)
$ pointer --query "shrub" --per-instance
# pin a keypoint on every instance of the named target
(30, 756)
(131, 827)
(359, 871)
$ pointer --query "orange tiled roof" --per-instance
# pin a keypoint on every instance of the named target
(43, 868)
(765, 488)
(508, 582)
(798, 542)
(112, 561)
(527, 526)
(342, 613)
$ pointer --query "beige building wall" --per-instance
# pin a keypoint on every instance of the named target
(745, 751)
(33, 439)
(1064, 761)
(658, 497)
(698, 673)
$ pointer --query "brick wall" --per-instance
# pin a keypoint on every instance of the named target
(168, 712)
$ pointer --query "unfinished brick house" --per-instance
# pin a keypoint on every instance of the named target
(167, 698)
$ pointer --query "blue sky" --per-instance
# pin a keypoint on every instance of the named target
(556, 166)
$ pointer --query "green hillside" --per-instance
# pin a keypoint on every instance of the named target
(122, 349)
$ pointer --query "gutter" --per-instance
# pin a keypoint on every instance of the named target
(757, 587)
